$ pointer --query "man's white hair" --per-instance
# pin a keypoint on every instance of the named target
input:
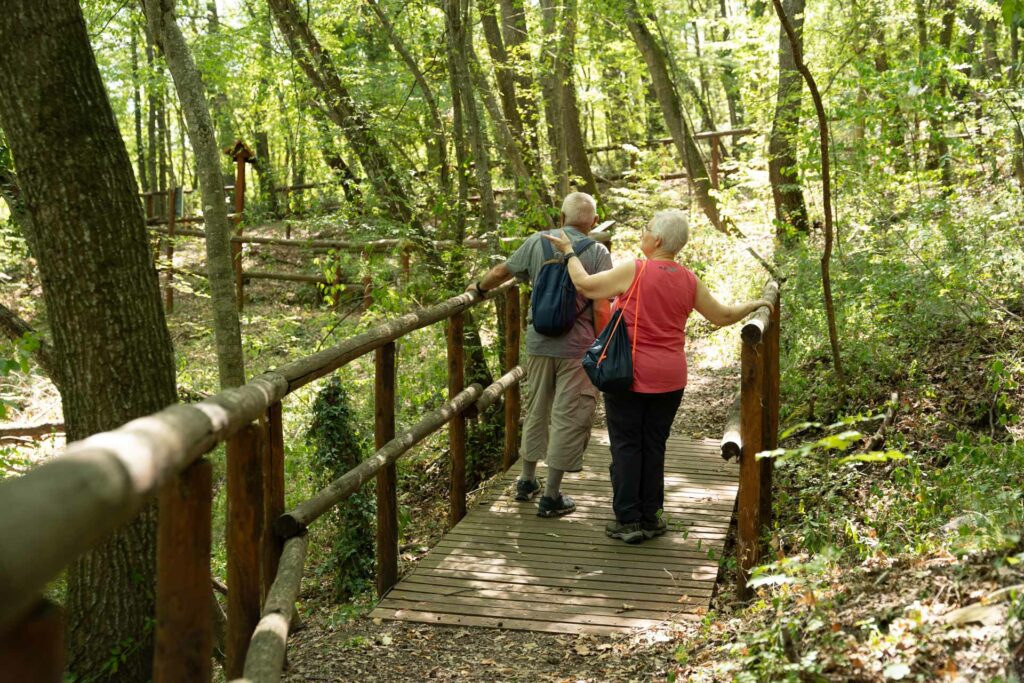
(673, 229)
(580, 209)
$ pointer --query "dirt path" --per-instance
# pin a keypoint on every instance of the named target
(374, 650)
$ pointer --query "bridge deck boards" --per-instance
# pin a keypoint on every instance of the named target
(504, 567)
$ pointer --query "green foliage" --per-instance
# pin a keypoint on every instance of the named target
(338, 445)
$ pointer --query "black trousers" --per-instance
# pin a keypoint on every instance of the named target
(638, 427)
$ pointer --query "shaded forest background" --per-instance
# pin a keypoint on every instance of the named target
(434, 122)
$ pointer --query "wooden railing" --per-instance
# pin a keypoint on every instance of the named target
(752, 426)
(74, 502)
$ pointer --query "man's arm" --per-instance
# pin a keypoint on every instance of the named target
(491, 279)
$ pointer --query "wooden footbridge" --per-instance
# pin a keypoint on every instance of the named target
(499, 566)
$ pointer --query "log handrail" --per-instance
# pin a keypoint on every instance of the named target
(103, 480)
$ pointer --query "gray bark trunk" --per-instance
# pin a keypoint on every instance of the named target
(671, 109)
(783, 174)
(192, 95)
(110, 339)
(575, 145)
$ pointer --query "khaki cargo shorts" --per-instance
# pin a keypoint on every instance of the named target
(559, 412)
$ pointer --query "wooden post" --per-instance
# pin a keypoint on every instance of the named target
(512, 397)
(771, 410)
(245, 519)
(367, 281)
(149, 206)
(407, 263)
(183, 646)
(33, 650)
(273, 496)
(751, 427)
(457, 425)
(172, 216)
(714, 161)
(387, 478)
(240, 154)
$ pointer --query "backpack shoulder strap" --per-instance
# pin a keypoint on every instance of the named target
(582, 245)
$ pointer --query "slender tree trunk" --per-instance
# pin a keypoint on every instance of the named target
(110, 339)
(264, 163)
(140, 146)
(671, 109)
(551, 77)
(530, 186)
(151, 114)
(441, 136)
(342, 108)
(575, 145)
(454, 35)
(477, 134)
(192, 95)
(730, 82)
(938, 145)
(826, 189)
(1018, 134)
(219, 105)
(783, 173)
(515, 32)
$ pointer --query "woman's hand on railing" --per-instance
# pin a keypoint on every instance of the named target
(754, 305)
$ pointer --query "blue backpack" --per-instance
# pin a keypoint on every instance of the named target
(554, 295)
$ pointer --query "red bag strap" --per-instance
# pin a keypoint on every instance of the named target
(629, 295)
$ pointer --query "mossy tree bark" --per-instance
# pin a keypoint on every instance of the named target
(110, 339)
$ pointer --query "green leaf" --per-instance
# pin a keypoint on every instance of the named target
(873, 456)
(1013, 12)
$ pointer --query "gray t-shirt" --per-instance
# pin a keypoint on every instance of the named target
(525, 264)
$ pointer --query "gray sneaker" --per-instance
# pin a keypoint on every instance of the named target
(525, 490)
(629, 532)
(653, 529)
(555, 507)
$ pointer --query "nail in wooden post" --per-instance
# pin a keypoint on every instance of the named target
(387, 478)
(714, 161)
(512, 396)
(245, 519)
(172, 217)
(33, 650)
(273, 497)
(457, 425)
(183, 645)
(771, 411)
(751, 424)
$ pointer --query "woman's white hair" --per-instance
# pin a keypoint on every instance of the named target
(672, 228)
(580, 209)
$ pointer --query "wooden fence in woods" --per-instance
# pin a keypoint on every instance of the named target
(103, 481)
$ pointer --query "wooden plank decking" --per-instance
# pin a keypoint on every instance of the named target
(504, 567)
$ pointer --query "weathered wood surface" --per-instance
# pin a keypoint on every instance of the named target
(265, 657)
(504, 567)
(387, 478)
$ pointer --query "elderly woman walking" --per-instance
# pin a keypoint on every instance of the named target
(660, 293)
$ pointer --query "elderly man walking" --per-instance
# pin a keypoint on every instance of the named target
(561, 401)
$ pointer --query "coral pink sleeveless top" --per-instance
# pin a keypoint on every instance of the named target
(664, 299)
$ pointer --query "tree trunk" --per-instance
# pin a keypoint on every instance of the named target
(454, 34)
(826, 189)
(441, 137)
(671, 109)
(140, 147)
(551, 77)
(264, 163)
(515, 33)
(221, 108)
(783, 173)
(342, 108)
(100, 288)
(730, 83)
(1018, 134)
(530, 185)
(575, 145)
(938, 144)
(151, 114)
(192, 95)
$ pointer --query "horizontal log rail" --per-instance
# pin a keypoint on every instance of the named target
(665, 142)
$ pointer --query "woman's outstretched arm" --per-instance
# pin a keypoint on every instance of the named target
(603, 285)
(720, 314)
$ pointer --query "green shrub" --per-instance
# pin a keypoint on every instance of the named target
(337, 446)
